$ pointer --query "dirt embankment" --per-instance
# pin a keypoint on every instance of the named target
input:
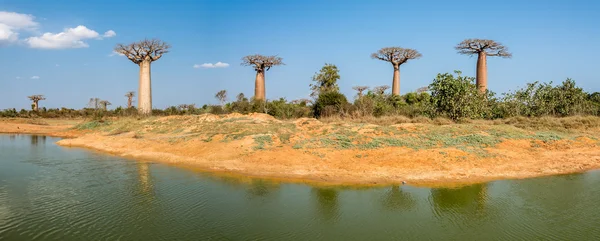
(340, 153)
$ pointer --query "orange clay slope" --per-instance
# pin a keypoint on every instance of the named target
(258, 145)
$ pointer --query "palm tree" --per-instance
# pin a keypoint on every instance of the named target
(482, 48)
(143, 53)
(261, 64)
(397, 56)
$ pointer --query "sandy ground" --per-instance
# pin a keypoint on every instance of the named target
(510, 159)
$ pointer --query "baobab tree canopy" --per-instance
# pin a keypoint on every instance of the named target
(36, 97)
(261, 62)
(396, 55)
(487, 46)
(145, 50)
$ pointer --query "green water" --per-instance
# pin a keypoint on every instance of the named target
(48, 192)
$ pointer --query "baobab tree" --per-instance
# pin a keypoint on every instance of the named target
(482, 48)
(261, 64)
(36, 99)
(360, 90)
(130, 96)
(94, 103)
(143, 53)
(396, 56)
(104, 104)
(380, 90)
(221, 96)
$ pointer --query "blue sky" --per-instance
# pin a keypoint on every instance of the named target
(550, 41)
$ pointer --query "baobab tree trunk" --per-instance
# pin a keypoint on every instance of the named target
(396, 81)
(35, 106)
(259, 86)
(129, 102)
(145, 89)
(482, 72)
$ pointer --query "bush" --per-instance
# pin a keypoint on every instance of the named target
(335, 100)
(457, 97)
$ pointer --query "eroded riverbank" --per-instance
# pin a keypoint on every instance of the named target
(341, 153)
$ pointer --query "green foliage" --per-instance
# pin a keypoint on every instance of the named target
(329, 103)
(457, 97)
(325, 80)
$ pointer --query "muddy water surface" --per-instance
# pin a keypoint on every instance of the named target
(48, 192)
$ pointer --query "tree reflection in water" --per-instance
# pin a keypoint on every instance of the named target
(327, 203)
(466, 200)
(397, 199)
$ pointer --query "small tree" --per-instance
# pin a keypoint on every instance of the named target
(36, 99)
(396, 56)
(221, 96)
(360, 90)
(104, 104)
(482, 48)
(380, 90)
(457, 97)
(143, 53)
(130, 96)
(325, 80)
(261, 64)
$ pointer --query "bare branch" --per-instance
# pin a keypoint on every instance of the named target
(360, 89)
(36, 98)
(487, 46)
(130, 94)
(262, 63)
(381, 89)
(396, 55)
(145, 50)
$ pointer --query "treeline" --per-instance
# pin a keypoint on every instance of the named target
(449, 95)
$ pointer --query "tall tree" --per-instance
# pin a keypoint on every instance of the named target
(36, 99)
(143, 53)
(380, 90)
(130, 96)
(482, 48)
(396, 56)
(325, 80)
(104, 104)
(94, 103)
(261, 64)
(221, 96)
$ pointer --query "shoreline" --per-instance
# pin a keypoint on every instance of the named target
(435, 166)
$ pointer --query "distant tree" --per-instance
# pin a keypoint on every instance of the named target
(396, 56)
(143, 53)
(240, 97)
(94, 103)
(482, 48)
(360, 90)
(130, 96)
(422, 89)
(221, 96)
(380, 90)
(325, 80)
(104, 104)
(261, 64)
(36, 99)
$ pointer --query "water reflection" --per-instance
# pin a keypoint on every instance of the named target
(397, 199)
(35, 139)
(468, 199)
(327, 203)
(144, 179)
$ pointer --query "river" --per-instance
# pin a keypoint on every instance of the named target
(48, 192)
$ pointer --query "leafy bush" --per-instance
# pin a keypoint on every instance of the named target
(329, 103)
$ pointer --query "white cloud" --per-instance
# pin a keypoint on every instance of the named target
(11, 23)
(69, 38)
(35, 77)
(211, 66)
(109, 34)
(18, 77)
(115, 53)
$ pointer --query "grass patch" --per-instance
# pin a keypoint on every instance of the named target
(92, 125)
(262, 141)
